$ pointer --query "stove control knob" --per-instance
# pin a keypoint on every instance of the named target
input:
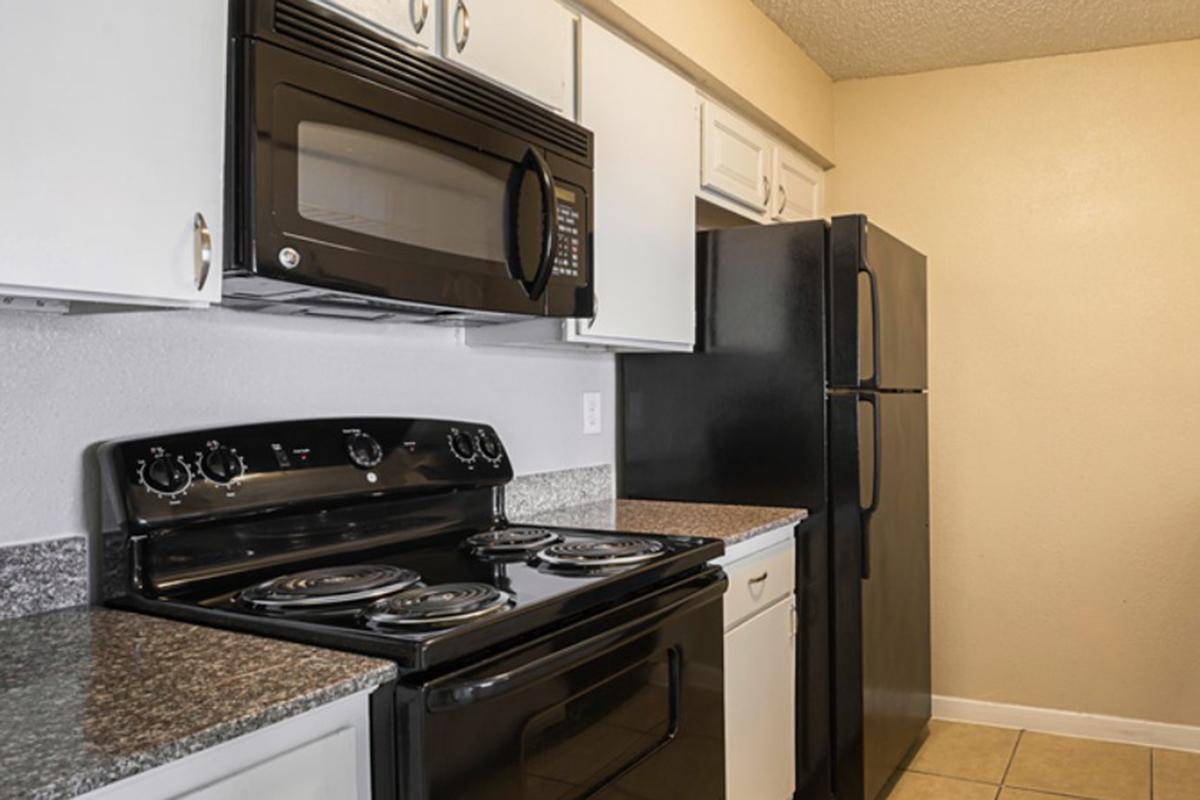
(222, 465)
(462, 445)
(489, 446)
(363, 450)
(166, 475)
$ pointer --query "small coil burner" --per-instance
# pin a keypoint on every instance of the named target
(437, 606)
(511, 542)
(330, 586)
(598, 553)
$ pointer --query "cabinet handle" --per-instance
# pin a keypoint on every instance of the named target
(759, 579)
(462, 25)
(766, 190)
(418, 19)
(782, 200)
(202, 254)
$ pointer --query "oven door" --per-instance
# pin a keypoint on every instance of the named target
(358, 187)
(634, 710)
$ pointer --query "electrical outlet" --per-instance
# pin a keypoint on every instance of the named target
(591, 412)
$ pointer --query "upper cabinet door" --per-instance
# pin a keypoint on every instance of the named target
(113, 150)
(736, 159)
(413, 21)
(798, 186)
(528, 45)
(644, 119)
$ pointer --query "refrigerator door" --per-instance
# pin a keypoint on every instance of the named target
(876, 308)
(879, 478)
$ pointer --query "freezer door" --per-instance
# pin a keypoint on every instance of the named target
(876, 308)
(879, 482)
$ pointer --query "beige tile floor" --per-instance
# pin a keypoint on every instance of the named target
(974, 762)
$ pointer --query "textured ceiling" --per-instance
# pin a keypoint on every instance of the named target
(864, 38)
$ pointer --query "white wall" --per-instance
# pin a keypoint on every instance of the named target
(69, 382)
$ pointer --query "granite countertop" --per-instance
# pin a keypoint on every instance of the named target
(714, 520)
(89, 696)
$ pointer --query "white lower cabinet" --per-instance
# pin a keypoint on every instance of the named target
(760, 671)
(317, 755)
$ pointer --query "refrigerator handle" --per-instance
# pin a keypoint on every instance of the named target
(872, 382)
(876, 472)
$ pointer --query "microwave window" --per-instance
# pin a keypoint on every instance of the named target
(397, 190)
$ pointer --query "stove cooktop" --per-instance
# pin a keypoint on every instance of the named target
(343, 594)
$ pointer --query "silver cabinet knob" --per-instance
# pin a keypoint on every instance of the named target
(766, 190)
(419, 11)
(782, 200)
(462, 25)
(202, 252)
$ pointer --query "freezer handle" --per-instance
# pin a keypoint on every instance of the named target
(876, 473)
(872, 381)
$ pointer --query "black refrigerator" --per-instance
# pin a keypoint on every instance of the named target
(808, 388)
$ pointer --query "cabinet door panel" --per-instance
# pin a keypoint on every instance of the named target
(798, 187)
(528, 45)
(736, 158)
(760, 706)
(114, 143)
(414, 21)
(646, 151)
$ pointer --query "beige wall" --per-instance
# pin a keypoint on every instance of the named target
(1059, 203)
(730, 46)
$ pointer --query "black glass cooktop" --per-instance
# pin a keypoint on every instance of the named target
(431, 600)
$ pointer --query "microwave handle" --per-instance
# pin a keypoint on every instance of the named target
(533, 160)
(549, 223)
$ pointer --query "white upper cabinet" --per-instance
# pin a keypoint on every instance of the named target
(112, 150)
(644, 117)
(413, 21)
(744, 170)
(736, 162)
(797, 185)
(528, 45)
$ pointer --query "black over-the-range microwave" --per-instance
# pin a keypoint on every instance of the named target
(371, 180)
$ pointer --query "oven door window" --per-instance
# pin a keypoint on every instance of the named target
(380, 207)
(578, 746)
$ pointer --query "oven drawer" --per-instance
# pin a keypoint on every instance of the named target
(758, 580)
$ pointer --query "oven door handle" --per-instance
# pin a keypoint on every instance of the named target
(463, 693)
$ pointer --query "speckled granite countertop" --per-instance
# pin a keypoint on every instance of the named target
(729, 522)
(89, 696)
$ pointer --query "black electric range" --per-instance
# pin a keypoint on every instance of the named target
(388, 537)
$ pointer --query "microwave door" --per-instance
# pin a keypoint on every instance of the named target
(350, 200)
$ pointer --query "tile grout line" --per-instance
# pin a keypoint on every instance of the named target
(1011, 758)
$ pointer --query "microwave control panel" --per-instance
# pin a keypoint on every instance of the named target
(569, 256)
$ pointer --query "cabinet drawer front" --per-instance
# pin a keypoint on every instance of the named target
(757, 581)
